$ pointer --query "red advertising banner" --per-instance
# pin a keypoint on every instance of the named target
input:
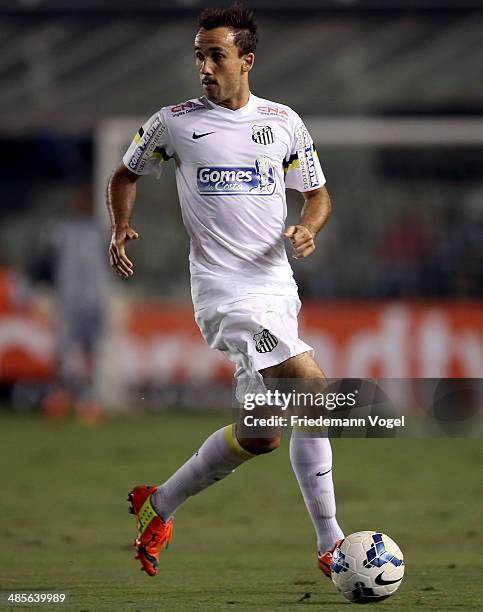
(26, 338)
(161, 342)
(396, 340)
(389, 340)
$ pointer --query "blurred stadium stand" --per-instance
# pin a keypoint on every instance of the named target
(407, 220)
(64, 72)
(70, 66)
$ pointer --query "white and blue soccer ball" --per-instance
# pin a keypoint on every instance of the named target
(367, 566)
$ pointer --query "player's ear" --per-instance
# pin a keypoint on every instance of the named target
(248, 60)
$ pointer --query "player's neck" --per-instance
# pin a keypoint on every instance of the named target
(237, 101)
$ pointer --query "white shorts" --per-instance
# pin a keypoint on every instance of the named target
(254, 332)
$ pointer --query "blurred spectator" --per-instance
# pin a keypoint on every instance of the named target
(455, 267)
(400, 256)
(72, 258)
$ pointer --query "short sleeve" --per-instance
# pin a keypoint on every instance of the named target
(150, 148)
(302, 167)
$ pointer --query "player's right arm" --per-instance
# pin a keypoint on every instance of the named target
(147, 152)
(121, 196)
(304, 173)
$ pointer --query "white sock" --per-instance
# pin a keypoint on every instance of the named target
(218, 457)
(310, 456)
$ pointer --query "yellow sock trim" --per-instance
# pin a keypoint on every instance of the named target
(233, 444)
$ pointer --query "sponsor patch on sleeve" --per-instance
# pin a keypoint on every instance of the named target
(146, 141)
(306, 156)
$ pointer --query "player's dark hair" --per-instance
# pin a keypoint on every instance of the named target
(237, 17)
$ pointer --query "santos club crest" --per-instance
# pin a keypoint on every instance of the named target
(265, 341)
(262, 134)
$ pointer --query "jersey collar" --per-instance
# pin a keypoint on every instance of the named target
(239, 112)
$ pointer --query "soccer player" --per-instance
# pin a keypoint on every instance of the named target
(235, 154)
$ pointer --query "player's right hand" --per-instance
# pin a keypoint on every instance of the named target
(120, 262)
(302, 240)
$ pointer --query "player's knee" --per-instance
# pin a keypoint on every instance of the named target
(260, 446)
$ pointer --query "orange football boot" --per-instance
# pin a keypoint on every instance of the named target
(153, 533)
(325, 559)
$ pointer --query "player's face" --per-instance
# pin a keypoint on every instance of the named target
(220, 66)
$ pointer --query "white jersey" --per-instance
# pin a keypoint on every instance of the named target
(232, 168)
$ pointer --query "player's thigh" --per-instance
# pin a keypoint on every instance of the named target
(299, 366)
(298, 377)
(265, 438)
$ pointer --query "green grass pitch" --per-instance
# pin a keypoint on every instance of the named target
(246, 544)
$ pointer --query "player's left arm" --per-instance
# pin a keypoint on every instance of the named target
(315, 214)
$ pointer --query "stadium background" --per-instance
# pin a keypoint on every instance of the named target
(392, 92)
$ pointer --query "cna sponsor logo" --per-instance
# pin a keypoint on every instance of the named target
(272, 111)
(146, 145)
(185, 108)
(258, 179)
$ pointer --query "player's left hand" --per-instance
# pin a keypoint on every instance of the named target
(302, 240)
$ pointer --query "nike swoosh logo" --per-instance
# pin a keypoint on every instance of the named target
(323, 473)
(382, 582)
(196, 136)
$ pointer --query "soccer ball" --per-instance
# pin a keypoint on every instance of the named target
(367, 566)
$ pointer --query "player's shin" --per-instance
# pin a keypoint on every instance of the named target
(217, 457)
(311, 459)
